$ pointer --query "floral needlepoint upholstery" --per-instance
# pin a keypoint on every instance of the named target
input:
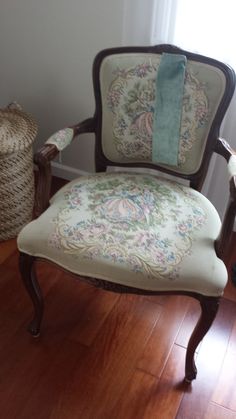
(62, 138)
(128, 86)
(145, 227)
(133, 229)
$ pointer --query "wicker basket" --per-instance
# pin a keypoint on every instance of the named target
(17, 133)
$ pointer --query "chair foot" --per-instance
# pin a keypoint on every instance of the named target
(26, 263)
(190, 376)
(209, 307)
(34, 329)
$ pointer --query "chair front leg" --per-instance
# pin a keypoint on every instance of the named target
(28, 275)
(209, 308)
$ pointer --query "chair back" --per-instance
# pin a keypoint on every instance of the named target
(126, 88)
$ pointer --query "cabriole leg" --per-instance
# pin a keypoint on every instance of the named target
(209, 307)
(28, 275)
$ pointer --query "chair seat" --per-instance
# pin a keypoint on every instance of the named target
(137, 230)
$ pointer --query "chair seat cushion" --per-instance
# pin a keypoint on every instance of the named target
(133, 229)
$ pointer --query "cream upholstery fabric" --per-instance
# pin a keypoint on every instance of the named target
(61, 139)
(133, 229)
(128, 100)
(232, 166)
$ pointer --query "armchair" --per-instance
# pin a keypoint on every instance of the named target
(136, 232)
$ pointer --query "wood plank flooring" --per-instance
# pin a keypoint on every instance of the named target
(109, 356)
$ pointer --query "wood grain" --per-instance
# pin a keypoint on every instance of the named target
(225, 390)
(106, 356)
(157, 350)
(110, 361)
(215, 411)
(190, 320)
(135, 397)
(209, 362)
(6, 249)
(165, 401)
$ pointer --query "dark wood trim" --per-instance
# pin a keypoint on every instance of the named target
(114, 286)
(209, 308)
(28, 275)
(223, 241)
(49, 152)
(43, 160)
(86, 126)
(196, 179)
(223, 148)
(43, 187)
(209, 305)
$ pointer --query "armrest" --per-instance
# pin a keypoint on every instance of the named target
(62, 139)
(222, 242)
(232, 166)
(47, 153)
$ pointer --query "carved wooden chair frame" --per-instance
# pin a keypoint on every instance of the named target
(209, 305)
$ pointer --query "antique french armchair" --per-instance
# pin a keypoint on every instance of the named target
(130, 231)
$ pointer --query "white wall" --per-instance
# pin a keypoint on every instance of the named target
(218, 188)
(47, 50)
(138, 21)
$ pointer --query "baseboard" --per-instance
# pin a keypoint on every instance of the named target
(66, 172)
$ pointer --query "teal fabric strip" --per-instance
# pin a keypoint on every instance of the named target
(168, 109)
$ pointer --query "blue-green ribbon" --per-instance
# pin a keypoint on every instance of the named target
(168, 109)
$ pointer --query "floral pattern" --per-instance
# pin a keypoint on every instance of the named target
(131, 100)
(61, 139)
(142, 222)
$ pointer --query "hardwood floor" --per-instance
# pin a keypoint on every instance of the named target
(109, 356)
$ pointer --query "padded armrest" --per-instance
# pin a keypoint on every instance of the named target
(232, 166)
(57, 142)
(61, 139)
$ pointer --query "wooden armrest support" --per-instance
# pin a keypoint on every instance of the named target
(88, 125)
(43, 160)
(45, 154)
(224, 238)
(224, 149)
(223, 241)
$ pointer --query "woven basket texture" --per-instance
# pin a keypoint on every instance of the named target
(16, 192)
(17, 132)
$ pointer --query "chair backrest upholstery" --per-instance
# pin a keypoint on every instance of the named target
(125, 91)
